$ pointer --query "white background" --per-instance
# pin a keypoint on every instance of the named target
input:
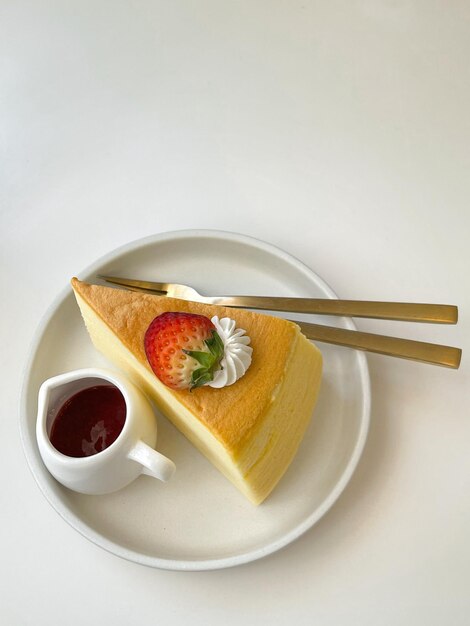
(337, 130)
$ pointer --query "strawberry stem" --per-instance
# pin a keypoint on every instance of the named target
(209, 361)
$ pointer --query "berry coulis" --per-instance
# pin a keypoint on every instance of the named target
(89, 421)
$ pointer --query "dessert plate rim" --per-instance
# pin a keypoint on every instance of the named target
(39, 471)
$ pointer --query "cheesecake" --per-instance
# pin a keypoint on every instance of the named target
(249, 430)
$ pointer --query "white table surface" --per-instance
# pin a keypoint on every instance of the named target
(340, 132)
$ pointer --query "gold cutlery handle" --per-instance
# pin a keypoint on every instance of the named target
(432, 353)
(401, 311)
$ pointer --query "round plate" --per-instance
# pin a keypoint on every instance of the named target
(199, 520)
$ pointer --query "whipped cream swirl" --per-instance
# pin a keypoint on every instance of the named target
(237, 353)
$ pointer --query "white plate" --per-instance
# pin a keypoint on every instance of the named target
(199, 520)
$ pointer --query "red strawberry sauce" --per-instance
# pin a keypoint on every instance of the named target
(89, 421)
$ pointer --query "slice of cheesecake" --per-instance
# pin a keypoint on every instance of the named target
(250, 430)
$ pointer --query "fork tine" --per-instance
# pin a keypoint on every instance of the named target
(136, 284)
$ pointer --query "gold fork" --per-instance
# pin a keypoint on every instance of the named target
(434, 354)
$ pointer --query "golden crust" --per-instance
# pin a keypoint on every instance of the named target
(233, 413)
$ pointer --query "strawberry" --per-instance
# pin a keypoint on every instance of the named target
(184, 350)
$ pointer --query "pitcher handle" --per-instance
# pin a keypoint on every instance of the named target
(153, 463)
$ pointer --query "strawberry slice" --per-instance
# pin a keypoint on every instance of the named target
(183, 349)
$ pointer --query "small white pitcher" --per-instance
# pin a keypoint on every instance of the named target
(130, 455)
